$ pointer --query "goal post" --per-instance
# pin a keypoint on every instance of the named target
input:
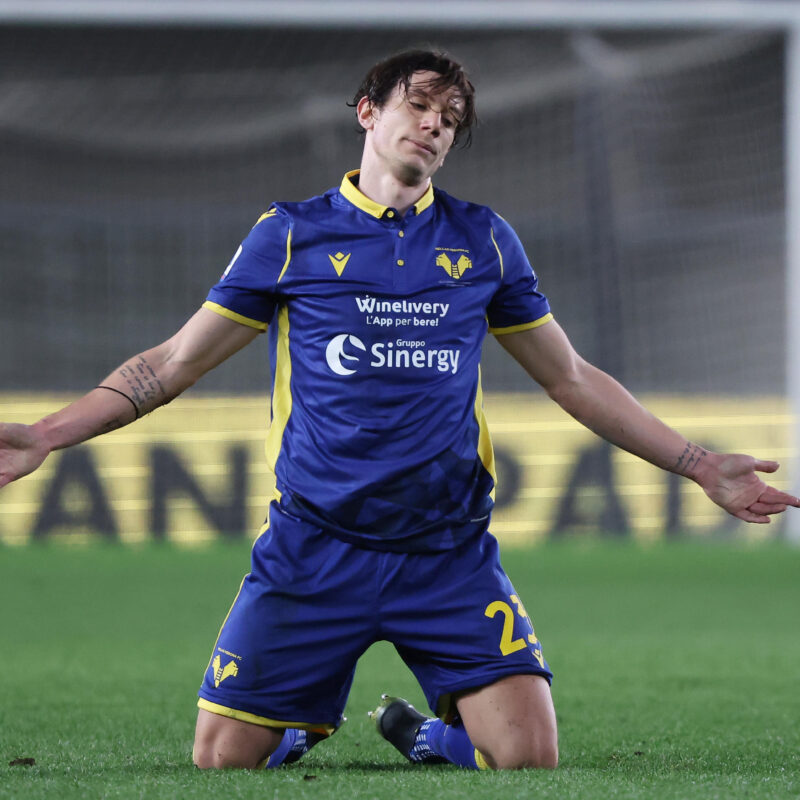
(792, 146)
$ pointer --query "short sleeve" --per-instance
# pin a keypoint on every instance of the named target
(247, 290)
(518, 304)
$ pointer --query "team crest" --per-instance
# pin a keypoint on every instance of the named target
(454, 262)
(230, 670)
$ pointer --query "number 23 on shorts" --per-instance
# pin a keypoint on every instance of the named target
(508, 644)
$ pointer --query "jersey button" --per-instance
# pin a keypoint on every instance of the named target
(401, 234)
(390, 213)
(400, 262)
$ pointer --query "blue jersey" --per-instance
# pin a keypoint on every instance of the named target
(376, 322)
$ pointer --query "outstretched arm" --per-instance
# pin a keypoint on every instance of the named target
(604, 406)
(140, 385)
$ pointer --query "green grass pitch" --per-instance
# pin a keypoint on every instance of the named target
(677, 676)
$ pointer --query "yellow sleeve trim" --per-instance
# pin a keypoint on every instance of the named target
(265, 722)
(226, 312)
(526, 326)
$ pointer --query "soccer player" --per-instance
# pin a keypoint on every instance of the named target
(377, 296)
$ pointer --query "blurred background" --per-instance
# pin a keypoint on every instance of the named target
(642, 162)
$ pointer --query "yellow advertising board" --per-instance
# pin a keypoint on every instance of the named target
(195, 471)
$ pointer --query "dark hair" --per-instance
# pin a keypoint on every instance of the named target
(396, 70)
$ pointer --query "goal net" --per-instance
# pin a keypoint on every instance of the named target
(643, 170)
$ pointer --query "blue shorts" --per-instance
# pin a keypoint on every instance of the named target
(312, 604)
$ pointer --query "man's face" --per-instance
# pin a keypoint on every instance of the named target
(414, 130)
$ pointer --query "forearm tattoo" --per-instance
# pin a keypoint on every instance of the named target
(146, 390)
(114, 424)
(689, 460)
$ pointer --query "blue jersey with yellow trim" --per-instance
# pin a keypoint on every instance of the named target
(376, 323)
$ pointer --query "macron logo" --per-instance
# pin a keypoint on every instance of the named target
(339, 261)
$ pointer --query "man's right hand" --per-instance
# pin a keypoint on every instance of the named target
(143, 383)
(22, 450)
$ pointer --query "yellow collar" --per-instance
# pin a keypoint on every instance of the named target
(352, 193)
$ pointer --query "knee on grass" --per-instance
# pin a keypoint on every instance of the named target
(210, 757)
(223, 744)
(513, 754)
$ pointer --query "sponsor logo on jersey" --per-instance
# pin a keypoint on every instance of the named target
(334, 352)
(401, 313)
(397, 354)
(230, 670)
(454, 261)
(372, 305)
(339, 261)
